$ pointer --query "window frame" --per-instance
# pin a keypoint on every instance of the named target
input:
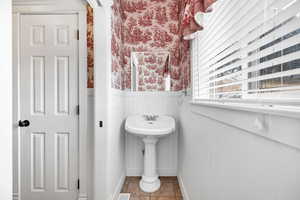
(260, 104)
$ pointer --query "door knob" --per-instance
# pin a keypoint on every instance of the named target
(24, 123)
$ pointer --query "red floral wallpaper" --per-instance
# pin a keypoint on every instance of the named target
(152, 67)
(90, 47)
(117, 46)
(148, 25)
(190, 9)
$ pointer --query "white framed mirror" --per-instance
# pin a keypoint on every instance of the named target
(150, 71)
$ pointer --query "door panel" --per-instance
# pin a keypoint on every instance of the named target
(38, 161)
(62, 85)
(38, 84)
(48, 99)
(62, 165)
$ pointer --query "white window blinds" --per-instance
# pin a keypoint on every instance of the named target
(248, 50)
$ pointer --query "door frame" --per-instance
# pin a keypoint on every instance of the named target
(46, 7)
(6, 99)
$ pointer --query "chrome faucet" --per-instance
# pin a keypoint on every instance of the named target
(150, 117)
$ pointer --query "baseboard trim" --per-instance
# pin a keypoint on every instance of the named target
(182, 188)
(82, 196)
(15, 196)
(119, 188)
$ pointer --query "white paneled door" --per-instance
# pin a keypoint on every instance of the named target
(48, 107)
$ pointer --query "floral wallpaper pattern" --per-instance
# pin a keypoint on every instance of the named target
(152, 67)
(117, 46)
(148, 25)
(90, 47)
(191, 8)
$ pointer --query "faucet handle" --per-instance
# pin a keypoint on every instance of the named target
(150, 117)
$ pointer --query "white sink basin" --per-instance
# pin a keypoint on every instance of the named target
(150, 128)
(158, 126)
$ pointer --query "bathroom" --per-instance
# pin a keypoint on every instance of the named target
(151, 100)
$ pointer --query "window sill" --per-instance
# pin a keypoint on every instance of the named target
(281, 110)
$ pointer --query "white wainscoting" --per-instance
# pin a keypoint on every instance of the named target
(115, 162)
(115, 146)
(90, 142)
(162, 103)
(226, 151)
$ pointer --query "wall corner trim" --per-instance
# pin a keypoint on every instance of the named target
(118, 188)
(182, 188)
(94, 3)
(82, 196)
(15, 196)
(99, 3)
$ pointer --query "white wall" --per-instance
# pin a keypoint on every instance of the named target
(6, 100)
(109, 142)
(112, 175)
(101, 76)
(115, 145)
(90, 143)
(229, 159)
(162, 103)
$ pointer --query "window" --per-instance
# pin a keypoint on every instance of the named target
(248, 50)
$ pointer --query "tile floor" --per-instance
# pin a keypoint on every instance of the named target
(169, 189)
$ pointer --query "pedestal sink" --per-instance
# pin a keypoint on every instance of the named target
(150, 128)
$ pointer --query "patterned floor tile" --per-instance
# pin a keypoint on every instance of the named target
(169, 189)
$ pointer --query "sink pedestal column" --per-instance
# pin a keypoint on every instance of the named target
(150, 181)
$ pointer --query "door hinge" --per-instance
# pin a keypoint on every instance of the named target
(78, 184)
(77, 110)
(77, 34)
